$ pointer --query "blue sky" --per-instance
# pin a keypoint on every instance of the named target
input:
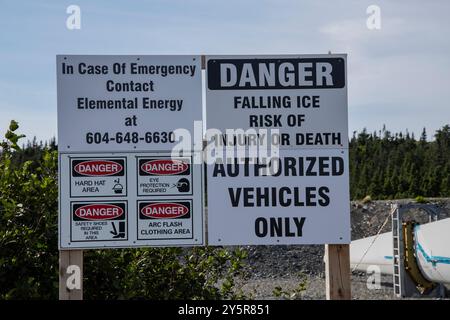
(398, 75)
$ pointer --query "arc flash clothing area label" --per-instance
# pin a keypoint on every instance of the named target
(101, 203)
(161, 219)
(282, 121)
(127, 103)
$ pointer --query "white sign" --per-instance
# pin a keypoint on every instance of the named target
(127, 103)
(121, 182)
(101, 204)
(296, 105)
(303, 97)
(300, 198)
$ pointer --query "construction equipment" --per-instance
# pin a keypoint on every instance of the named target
(417, 256)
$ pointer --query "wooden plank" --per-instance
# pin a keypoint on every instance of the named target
(337, 271)
(71, 265)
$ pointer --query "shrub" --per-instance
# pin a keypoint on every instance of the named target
(29, 252)
(421, 199)
(367, 199)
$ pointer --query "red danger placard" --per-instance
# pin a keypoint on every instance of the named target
(169, 210)
(103, 211)
(162, 167)
(98, 167)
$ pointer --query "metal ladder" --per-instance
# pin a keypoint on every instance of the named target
(397, 255)
(403, 286)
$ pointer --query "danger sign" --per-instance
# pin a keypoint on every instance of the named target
(98, 177)
(281, 122)
(98, 221)
(132, 199)
(164, 176)
(304, 98)
(162, 219)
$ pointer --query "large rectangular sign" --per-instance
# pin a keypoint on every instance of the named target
(277, 150)
(120, 118)
(126, 139)
(127, 103)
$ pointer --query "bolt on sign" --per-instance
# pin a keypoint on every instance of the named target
(277, 150)
(120, 182)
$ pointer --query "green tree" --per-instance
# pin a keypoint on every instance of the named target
(387, 165)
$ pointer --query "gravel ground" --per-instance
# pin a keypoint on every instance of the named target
(263, 288)
(282, 266)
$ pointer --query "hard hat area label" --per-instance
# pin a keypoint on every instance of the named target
(165, 219)
(99, 221)
(164, 176)
(98, 177)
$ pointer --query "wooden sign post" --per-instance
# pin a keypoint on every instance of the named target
(337, 271)
(71, 275)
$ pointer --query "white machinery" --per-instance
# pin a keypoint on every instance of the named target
(418, 256)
